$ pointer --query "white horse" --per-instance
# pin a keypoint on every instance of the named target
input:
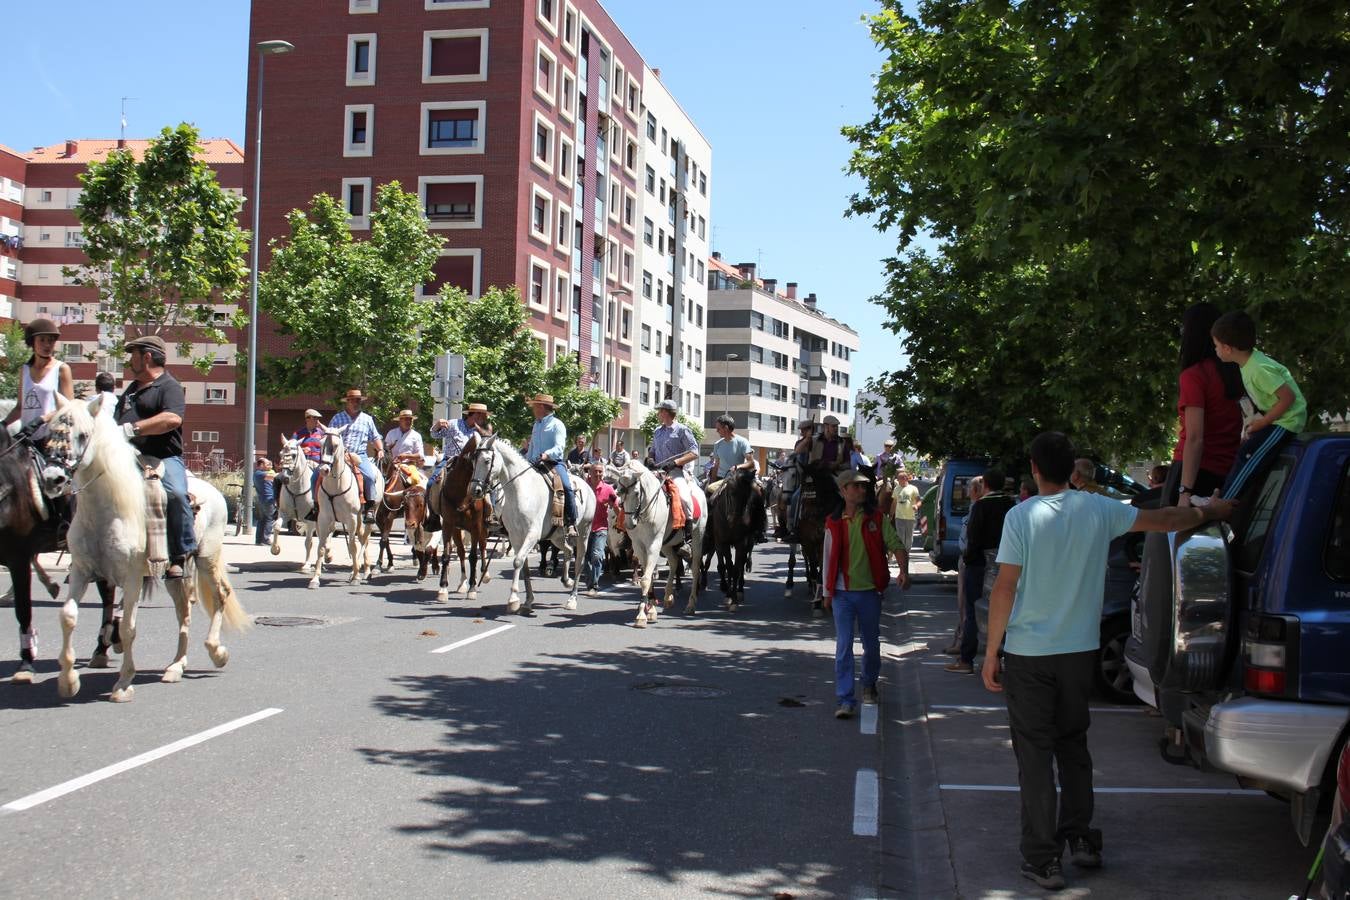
(342, 503)
(648, 520)
(526, 498)
(294, 504)
(87, 455)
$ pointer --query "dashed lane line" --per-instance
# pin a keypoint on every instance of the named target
(866, 802)
(965, 707)
(66, 787)
(469, 640)
(1012, 789)
(867, 718)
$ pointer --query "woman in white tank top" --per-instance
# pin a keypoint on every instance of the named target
(44, 377)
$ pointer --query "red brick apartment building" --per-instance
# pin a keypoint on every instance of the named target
(40, 235)
(517, 124)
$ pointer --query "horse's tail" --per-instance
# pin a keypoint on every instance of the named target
(213, 586)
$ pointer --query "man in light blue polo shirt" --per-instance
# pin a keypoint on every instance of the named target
(731, 452)
(547, 447)
(1048, 602)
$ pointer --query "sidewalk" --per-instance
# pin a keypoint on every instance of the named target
(239, 551)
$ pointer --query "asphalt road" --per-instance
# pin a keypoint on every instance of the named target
(567, 755)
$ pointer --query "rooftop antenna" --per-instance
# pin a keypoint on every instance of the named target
(124, 119)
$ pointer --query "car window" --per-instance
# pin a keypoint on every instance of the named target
(1263, 513)
(960, 504)
(1336, 557)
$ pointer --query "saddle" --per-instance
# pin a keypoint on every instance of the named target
(559, 494)
(156, 514)
(354, 462)
(677, 519)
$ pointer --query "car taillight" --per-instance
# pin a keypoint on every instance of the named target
(1343, 778)
(942, 527)
(1268, 648)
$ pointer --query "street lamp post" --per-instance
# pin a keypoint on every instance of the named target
(605, 325)
(265, 49)
(726, 384)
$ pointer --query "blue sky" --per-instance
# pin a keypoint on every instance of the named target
(769, 84)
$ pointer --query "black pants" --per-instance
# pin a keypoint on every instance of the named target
(1048, 710)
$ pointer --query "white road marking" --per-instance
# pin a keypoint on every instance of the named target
(1097, 709)
(469, 640)
(866, 802)
(60, 790)
(867, 720)
(1012, 789)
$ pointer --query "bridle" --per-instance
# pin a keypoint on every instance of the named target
(57, 456)
(326, 458)
(644, 503)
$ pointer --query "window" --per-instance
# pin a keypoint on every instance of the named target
(1336, 556)
(547, 12)
(648, 231)
(566, 160)
(458, 4)
(217, 395)
(562, 292)
(634, 97)
(701, 271)
(567, 95)
(612, 260)
(702, 227)
(651, 180)
(72, 351)
(207, 437)
(458, 268)
(627, 274)
(454, 56)
(630, 155)
(629, 210)
(698, 314)
(545, 68)
(644, 391)
(626, 324)
(564, 236)
(361, 59)
(569, 28)
(359, 129)
(651, 127)
(757, 320)
(453, 127)
(543, 143)
(541, 214)
(698, 360)
(647, 284)
(625, 379)
(452, 201)
(539, 277)
(356, 201)
(703, 184)
(617, 83)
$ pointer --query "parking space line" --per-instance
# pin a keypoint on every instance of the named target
(867, 719)
(469, 640)
(960, 707)
(66, 787)
(1012, 789)
(866, 803)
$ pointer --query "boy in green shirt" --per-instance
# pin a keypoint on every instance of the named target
(1271, 388)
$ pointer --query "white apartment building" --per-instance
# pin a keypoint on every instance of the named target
(672, 287)
(773, 359)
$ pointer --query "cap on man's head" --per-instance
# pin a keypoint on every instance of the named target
(312, 414)
(851, 476)
(668, 405)
(831, 420)
(148, 342)
(889, 442)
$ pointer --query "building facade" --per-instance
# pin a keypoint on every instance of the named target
(673, 292)
(519, 126)
(773, 359)
(40, 236)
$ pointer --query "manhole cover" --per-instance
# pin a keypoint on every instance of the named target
(679, 689)
(288, 621)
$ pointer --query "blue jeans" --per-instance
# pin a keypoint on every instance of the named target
(569, 501)
(1254, 457)
(265, 513)
(595, 555)
(972, 587)
(371, 475)
(182, 537)
(865, 606)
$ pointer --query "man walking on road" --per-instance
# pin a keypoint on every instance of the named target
(983, 530)
(1048, 602)
(857, 542)
(905, 508)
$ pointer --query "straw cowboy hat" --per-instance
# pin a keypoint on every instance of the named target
(477, 407)
(404, 414)
(354, 394)
(542, 399)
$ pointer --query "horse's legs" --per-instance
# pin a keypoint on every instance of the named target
(321, 551)
(474, 558)
(68, 682)
(358, 549)
(107, 628)
(462, 552)
(19, 567)
(574, 552)
(792, 564)
(180, 589)
(646, 605)
(131, 598)
(520, 560)
(214, 591)
(310, 532)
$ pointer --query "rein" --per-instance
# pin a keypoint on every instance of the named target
(332, 461)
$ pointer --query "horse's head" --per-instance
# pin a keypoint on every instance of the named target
(628, 485)
(70, 435)
(332, 448)
(414, 506)
(484, 459)
(290, 452)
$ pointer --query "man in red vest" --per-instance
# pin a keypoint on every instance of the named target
(857, 543)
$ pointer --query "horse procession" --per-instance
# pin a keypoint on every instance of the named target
(103, 480)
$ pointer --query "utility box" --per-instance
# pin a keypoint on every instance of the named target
(447, 388)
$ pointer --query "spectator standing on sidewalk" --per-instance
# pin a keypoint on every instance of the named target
(975, 490)
(1084, 476)
(858, 540)
(905, 508)
(1048, 602)
(266, 493)
(984, 529)
(577, 455)
(605, 499)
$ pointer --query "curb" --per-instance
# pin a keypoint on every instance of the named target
(916, 855)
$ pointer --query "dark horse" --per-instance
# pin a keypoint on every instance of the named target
(459, 512)
(737, 517)
(27, 528)
(820, 497)
(402, 499)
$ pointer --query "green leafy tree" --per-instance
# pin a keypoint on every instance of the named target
(583, 410)
(652, 421)
(1088, 170)
(350, 308)
(163, 242)
(16, 354)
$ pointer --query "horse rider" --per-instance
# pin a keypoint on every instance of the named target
(830, 451)
(43, 377)
(403, 444)
(801, 455)
(546, 450)
(310, 441)
(454, 435)
(361, 433)
(674, 448)
(619, 457)
(150, 412)
(887, 459)
(730, 453)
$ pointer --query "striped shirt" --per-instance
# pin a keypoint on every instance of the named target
(361, 432)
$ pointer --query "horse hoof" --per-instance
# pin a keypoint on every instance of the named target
(219, 656)
(641, 622)
(462, 587)
(314, 584)
(172, 675)
(485, 579)
(513, 606)
(442, 596)
(24, 675)
(68, 685)
(276, 549)
(472, 596)
(122, 695)
(689, 610)
(570, 604)
(99, 661)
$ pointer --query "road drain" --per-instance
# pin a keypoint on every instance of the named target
(684, 689)
(289, 621)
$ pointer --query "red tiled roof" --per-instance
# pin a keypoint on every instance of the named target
(87, 150)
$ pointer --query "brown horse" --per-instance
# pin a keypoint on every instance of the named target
(736, 518)
(406, 500)
(820, 497)
(460, 512)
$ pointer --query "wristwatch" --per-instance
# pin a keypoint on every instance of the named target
(1185, 490)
